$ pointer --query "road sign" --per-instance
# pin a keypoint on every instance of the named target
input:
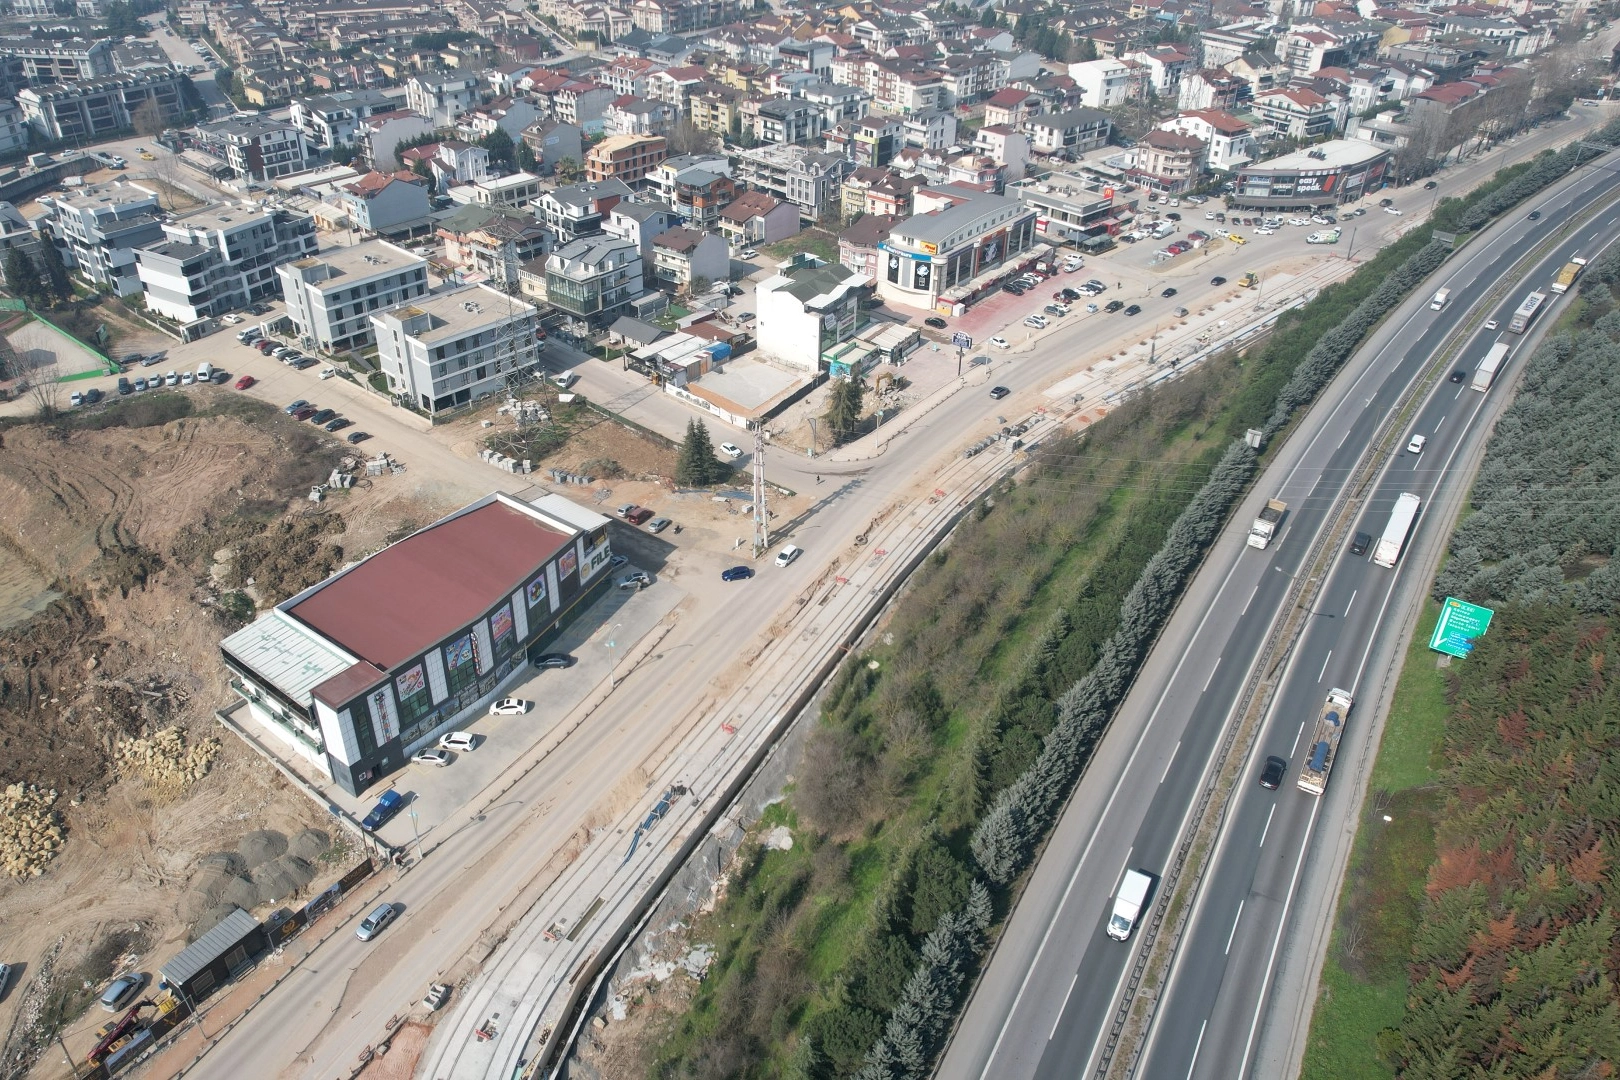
(961, 340)
(1460, 623)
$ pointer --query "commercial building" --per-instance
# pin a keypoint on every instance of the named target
(626, 158)
(595, 279)
(1069, 207)
(102, 228)
(98, 108)
(950, 254)
(808, 311)
(331, 296)
(449, 349)
(220, 259)
(356, 673)
(210, 961)
(1326, 175)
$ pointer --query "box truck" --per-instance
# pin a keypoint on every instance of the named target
(1265, 526)
(1128, 904)
(1441, 298)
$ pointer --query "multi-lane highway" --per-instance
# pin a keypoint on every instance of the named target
(1045, 1004)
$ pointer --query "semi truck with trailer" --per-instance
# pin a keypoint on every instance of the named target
(1265, 526)
(1526, 313)
(1393, 542)
(1566, 276)
(1128, 904)
(1485, 374)
(1313, 776)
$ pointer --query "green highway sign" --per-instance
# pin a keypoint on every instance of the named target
(1460, 623)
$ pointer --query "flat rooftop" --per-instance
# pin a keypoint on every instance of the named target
(460, 312)
(1339, 154)
(746, 383)
(369, 259)
(414, 594)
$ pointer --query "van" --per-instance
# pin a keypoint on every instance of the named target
(1128, 904)
(205, 372)
(564, 379)
(373, 924)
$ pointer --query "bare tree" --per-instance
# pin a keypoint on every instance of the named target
(688, 138)
(148, 119)
(43, 392)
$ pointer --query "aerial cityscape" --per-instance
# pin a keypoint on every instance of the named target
(702, 539)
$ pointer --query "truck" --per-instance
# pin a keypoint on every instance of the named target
(1162, 230)
(1265, 526)
(1485, 374)
(1128, 903)
(391, 803)
(1441, 298)
(1313, 776)
(1326, 236)
(1391, 544)
(1567, 276)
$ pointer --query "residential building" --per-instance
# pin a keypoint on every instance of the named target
(331, 296)
(639, 116)
(934, 130)
(1069, 134)
(716, 109)
(1167, 65)
(788, 120)
(807, 311)
(1230, 141)
(757, 218)
(387, 203)
(381, 135)
(683, 16)
(860, 244)
(627, 76)
(682, 256)
(626, 158)
(640, 223)
(1110, 82)
(838, 104)
(92, 109)
(1212, 88)
(504, 114)
(1168, 162)
(1301, 114)
(334, 119)
(595, 280)
(1004, 146)
(488, 240)
(46, 62)
(552, 141)
(257, 148)
(579, 210)
(449, 349)
(695, 187)
(221, 259)
(1223, 44)
(16, 235)
(451, 163)
(1069, 206)
(441, 98)
(949, 254)
(583, 104)
(512, 191)
(810, 180)
(675, 86)
(13, 128)
(878, 191)
(101, 229)
(1012, 107)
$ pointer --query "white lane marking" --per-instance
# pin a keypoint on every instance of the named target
(1194, 1063)
(1211, 675)
(1458, 394)
(1247, 602)
(1295, 750)
(1169, 763)
(1352, 602)
(1267, 830)
(1325, 660)
(1063, 1008)
(1437, 426)
(1238, 918)
(1125, 866)
(1276, 941)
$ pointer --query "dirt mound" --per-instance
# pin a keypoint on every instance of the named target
(260, 846)
(310, 844)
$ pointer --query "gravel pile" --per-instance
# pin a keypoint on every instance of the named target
(31, 831)
(164, 760)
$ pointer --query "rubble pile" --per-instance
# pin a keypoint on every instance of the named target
(164, 760)
(31, 831)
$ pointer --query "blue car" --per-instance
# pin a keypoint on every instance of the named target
(390, 804)
(737, 573)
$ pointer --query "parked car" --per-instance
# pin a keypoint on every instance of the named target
(295, 406)
(390, 803)
(322, 416)
(749, 253)
(328, 372)
(634, 581)
(373, 924)
(305, 413)
(1000, 342)
(356, 437)
(1113, 306)
(338, 423)
(432, 756)
(935, 321)
(121, 991)
(638, 516)
(75, 399)
(1056, 310)
(737, 573)
(999, 392)
(140, 384)
(171, 378)
(624, 511)
(1036, 321)
(731, 450)
(1014, 288)
(553, 660)
(187, 378)
(658, 524)
(125, 387)
(788, 554)
(505, 707)
(304, 362)
(1271, 776)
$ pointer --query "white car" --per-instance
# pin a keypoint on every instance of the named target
(1037, 321)
(1298, 221)
(1392, 210)
(464, 742)
(731, 450)
(1209, 215)
(171, 378)
(749, 253)
(1263, 231)
(328, 373)
(1416, 445)
(431, 756)
(1001, 342)
(1490, 324)
(788, 554)
(509, 707)
(188, 379)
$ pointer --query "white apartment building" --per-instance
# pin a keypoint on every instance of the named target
(441, 98)
(450, 349)
(1231, 142)
(331, 296)
(220, 259)
(257, 148)
(1109, 83)
(103, 227)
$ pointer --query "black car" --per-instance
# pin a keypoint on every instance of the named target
(1535, 215)
(339, 423)
(737, 573)
(322, 416)
(1113, 306)
(1014, 288)
(1070, 295)
(1459, 375)
(935, 321)
(999, 392)
(1430, 186)
(1360, 543)
(125, 387)
(553, 660)
(358, 437)
(1386, 202)
(91, 396)
(1168, 293)
(1134, 309)
(1271, 776)
(1217, 281)
(304, 362)
(1173, 216)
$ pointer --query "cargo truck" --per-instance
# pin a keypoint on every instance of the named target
(1265, 526)
(1313, 777)
(1567, 276)
(1390, 545)
(1128, 904)
(1441, 298)
(1485, 374)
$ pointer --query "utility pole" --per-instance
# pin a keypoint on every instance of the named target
(812, 436)
(71, 1063)
(762, 541)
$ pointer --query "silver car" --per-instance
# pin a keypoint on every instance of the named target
(373, 924)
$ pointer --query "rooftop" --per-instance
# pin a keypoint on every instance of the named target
(412, 595)
(362, 260)
(1339, 154)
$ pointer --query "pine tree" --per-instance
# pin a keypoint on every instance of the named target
(696, 465)
(844, 410)
(56, 271)
(22, 277)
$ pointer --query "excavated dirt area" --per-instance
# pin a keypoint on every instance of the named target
(126, 536)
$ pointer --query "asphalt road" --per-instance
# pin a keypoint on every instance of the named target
(1044, 1011)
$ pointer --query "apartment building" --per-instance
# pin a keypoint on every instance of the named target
(476, 240)
(515, 190)
(595, 280)
(626, 158)
(1069, 134)
(1110, 82)
(45, 62)
(334, 119)
(810, 180)
(578, 210)
(1301, 114)
(331, 296)
(787, 120)
(682, 16)
(757, 218)
(387, 202)
(441, 98)
(257, 148)
(221, 259)
(446, 350)
(382, 133)
(96, 108)
(640, 223)
(682, 256)
(102, 228)
(1231, 142)
(1168, 162)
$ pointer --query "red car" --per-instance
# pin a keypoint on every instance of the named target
(638, 515)
(308, 411)
(266, 345)
(245, 381)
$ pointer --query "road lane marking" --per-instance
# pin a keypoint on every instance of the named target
(1437, 426)
(1352, 602)
(1212, 673)
(1169, 763)
(1119, 877)
(1238, 918)
(1325, 660)
(1193, 1064)
(1267, 830)
(1458, 394)
(1276, 941)
(1063, 1008)
(1295, 750)
(1247, 602)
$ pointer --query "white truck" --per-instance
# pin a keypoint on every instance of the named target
(1442, 297)
(1265, 526)
(1326, 236)
(1128, 904)
(1313, 777)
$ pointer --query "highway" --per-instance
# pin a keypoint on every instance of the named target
(1048, 998)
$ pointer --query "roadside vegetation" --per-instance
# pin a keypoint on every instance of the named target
(1476, 930)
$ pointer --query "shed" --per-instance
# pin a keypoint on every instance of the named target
(213, 958)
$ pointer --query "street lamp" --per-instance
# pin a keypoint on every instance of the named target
(613, 663)
(416, 835)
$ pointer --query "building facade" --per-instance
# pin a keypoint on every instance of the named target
(595, 280)
(221, 259)
(626, 158)
(449, 349)
(102, 230)
(938, 259)
(330, 297)
(808, 310)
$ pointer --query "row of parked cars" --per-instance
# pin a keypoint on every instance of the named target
(324, 418)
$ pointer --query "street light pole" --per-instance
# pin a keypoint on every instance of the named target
(417, 836)
(613, 653)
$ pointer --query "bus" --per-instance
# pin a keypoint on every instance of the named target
(1485, 374)
(1399, 528)
(1527, 312)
